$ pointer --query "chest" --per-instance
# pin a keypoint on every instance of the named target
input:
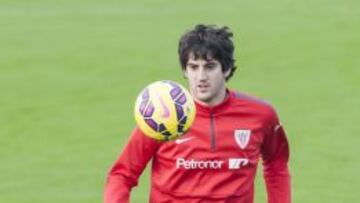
(219, 137)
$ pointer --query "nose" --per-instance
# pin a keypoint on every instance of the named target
(202, 75)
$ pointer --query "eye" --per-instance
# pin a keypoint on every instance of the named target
(192, 66)
(210, 66)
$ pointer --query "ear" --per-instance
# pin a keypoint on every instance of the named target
(227, 73)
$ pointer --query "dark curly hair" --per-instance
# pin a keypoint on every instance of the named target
(208, 41)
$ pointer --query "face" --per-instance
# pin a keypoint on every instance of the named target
(206, 80)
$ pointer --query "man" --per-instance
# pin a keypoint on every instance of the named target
(216, 160)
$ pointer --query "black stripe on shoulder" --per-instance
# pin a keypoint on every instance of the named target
(243, 96)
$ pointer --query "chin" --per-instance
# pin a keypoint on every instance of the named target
(203, 98)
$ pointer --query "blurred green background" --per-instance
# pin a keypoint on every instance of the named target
(70, 72)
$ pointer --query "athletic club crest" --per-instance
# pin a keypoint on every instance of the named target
(242, 137)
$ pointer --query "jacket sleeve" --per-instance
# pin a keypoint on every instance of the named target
(275, 155)
(124, 174)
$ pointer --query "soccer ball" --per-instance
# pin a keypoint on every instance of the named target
(164, 110)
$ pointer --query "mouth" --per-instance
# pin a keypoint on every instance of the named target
(203, 87)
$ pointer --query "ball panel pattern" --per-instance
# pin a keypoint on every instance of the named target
(157, 99)
(152, 124)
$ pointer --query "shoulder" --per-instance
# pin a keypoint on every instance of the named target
(140, 137)
(253, 104)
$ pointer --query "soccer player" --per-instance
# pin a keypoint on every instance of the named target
(216, 160)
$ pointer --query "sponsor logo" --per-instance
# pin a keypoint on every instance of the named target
(237, 163)
(242, 137)
(198, 164)
(180, 141)
(166, 112)
(192, 164)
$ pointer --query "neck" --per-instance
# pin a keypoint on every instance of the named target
(215, 101)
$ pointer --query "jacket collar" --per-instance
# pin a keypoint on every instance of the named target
(204, 109)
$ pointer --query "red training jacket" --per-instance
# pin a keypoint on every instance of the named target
(214, 162)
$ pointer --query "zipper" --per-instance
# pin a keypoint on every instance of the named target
(212, 132)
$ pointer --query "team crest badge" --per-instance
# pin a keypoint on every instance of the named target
(242, 137)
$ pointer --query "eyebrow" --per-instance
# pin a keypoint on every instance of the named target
(192, 64)
(211, 61)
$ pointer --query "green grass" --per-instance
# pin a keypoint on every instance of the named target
(70, 72)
